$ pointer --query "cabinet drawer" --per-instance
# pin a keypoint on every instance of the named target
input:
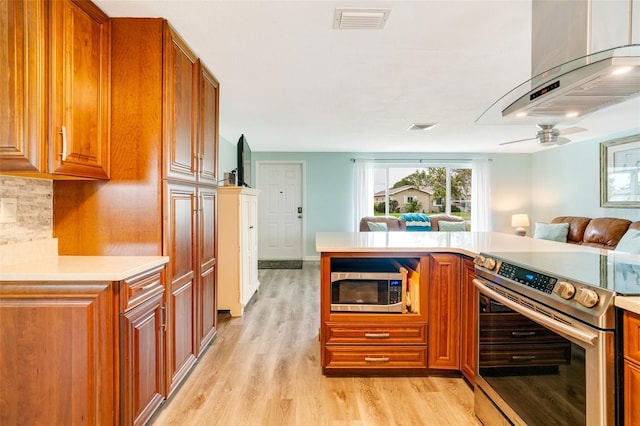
(524, 355)
(345, 357)
(632, 336)
(140, 288)
(381, 334)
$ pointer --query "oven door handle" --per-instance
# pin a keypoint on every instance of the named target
(580, 335)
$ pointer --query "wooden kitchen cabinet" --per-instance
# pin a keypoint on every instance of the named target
(161, 198)
(631, 344)
(444, 311)
(181, 237)
(468, 321)
(238, 270)
(82, 352)
(373, 343)
(55, 121)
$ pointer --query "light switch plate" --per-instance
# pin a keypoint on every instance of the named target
(8, 210)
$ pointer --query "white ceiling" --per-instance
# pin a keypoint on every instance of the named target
(290, 82)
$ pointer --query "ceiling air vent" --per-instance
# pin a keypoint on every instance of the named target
(422, 126)
(347, 18)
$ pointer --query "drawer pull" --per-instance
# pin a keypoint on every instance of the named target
(376, 359)
(523, 333)
(148, 286)
(523, 357)
(376, 335)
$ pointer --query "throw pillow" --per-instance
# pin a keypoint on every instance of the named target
(377, 226)
(630, 242)
(551, 231)
(452, 226)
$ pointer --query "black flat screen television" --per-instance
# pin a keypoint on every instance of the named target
(244, 162)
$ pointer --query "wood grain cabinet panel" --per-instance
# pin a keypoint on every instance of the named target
(207, 241)
(631, 345)
(444, 311)
(142, 360)
(57, 353)
(468, 321)
(55, 119)
(208, 126)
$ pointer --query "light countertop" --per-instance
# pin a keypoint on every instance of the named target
(38, 261)
(466, 243)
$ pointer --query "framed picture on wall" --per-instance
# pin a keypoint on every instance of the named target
(620, 172)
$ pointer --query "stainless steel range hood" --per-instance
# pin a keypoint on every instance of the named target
(585, 57)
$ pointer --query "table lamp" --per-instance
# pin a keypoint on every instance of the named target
(519, 221)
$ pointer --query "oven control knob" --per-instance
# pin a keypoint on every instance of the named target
(490, 263)
(564, 289)
(586, 297)
(479, 260)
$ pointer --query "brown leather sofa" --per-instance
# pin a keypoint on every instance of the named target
(603, 232)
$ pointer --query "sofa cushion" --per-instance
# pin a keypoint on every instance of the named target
(605, 232)
(437, 218)
(577, 226)
(452, 226)
(416, 221)
(377, 226)
(551, 231)
(630, 242)
(393, 223)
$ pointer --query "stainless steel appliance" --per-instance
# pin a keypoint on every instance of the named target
(367, 291)
(547, 336)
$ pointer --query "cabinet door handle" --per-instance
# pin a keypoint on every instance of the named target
(376, 359)
(63, 132)
(523, 357)
(523, 333)
(376, 335)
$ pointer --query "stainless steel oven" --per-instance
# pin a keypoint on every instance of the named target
(546, 333)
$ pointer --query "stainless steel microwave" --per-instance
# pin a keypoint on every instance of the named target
(366, 292)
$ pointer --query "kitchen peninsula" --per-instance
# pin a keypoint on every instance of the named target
(437, 337)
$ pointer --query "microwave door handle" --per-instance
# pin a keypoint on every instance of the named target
(580, 335)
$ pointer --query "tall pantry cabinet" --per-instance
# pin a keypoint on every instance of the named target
(162, 195)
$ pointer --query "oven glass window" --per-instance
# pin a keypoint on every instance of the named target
(539, 374)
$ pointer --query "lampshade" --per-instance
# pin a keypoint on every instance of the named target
(520, 220)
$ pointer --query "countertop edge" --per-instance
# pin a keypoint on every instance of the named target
(631, 303)
(82, 268)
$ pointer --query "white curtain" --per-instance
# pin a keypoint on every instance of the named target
(363, 191)
(480, 195)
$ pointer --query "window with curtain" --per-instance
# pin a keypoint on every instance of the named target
(458, 189)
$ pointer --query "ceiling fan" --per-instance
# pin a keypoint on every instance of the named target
(548, 135)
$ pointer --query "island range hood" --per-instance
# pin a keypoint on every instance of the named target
(585, 57)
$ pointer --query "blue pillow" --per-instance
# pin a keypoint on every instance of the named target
(416, 222)
(447, 226)
(552, 231)
(377, 226)
(630, 242)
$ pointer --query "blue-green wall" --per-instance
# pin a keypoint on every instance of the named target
(559, 181)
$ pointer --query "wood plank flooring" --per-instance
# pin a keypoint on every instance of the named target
(264, 369)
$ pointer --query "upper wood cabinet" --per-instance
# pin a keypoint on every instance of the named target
(56, 118)
(207, 126)
(180, 77)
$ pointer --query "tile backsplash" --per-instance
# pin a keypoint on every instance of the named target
(34, 209)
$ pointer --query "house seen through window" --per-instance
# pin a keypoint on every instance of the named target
(420, 189)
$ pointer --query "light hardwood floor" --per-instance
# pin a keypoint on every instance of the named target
(264, 369)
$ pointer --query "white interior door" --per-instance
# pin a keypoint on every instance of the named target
(280, 210)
